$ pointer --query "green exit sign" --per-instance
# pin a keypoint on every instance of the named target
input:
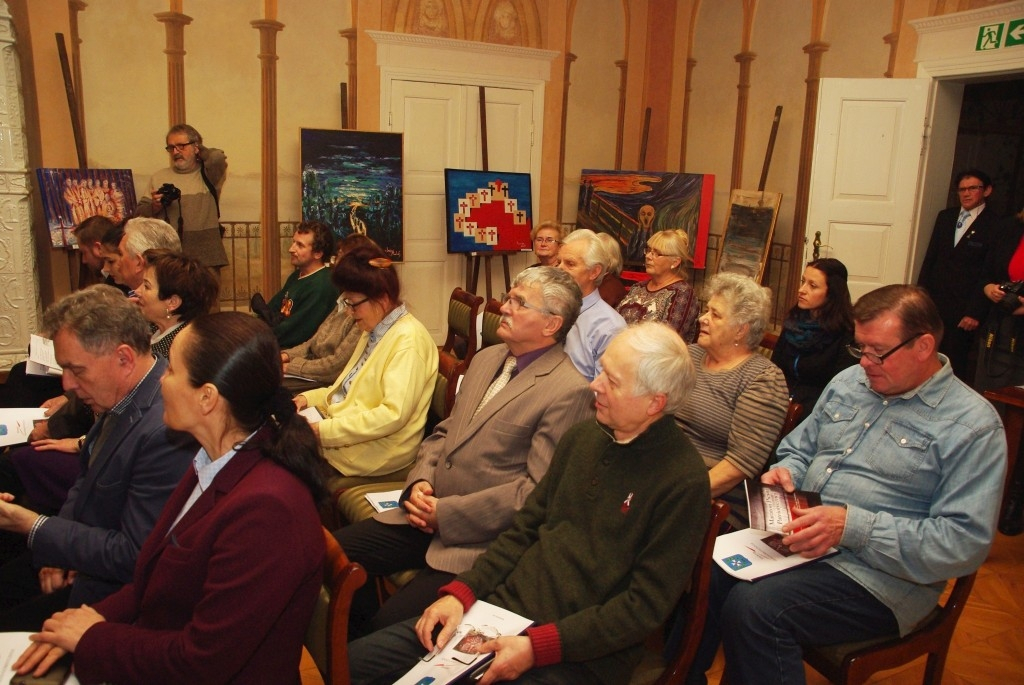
(1004, 35)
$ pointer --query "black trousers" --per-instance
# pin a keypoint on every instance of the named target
(23, 607)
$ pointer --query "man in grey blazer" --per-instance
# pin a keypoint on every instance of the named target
(130, 464)
(475, 470)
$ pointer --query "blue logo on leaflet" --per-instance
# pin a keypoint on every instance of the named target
(737, 562)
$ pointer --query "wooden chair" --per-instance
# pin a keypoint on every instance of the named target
(449, 369)
(693, 607)
(463, 313)
(489, 326)
(327, 636)
(852, 663)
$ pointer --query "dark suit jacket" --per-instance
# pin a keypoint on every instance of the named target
(226, 595)
(114, 503)
(953, 276)
(482, 468)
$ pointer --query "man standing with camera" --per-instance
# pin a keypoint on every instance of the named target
(187, 195)
(953, 266)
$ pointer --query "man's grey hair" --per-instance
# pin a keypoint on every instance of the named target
(613, 252)
(145, 233)
(746, 303)
(663, 363)
(595, 253)
(190, 131)
(101, 317)
(561, 295)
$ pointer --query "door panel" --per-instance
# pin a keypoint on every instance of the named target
(864, 176)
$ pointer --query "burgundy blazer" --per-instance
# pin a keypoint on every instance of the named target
(226, 596)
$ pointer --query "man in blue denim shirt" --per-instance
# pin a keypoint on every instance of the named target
(909, 462)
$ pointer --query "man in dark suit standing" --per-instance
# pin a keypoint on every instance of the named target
(475, 470)
(952, 268)
(130, 463)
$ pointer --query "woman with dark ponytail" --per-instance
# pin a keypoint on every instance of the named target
(225, 585)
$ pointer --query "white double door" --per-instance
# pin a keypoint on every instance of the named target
(440, 123)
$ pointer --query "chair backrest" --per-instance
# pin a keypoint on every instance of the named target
(327, 637)
(767, 345)
(463, 313)
(491, 320)
(693, 607)
(855, 663)
(449, 368)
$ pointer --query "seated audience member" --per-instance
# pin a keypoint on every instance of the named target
(130, 463)
(547, 240)
(666, 296)
(475, 470)
(140, 234)
(596, 554)
(612, 289)
(375, 410)
(811, 349)
(225, 585)
(308, 296)
(585, 258)
(909, 463)
(321, 358)
(89, 235)
(735, 412)
(175, 289)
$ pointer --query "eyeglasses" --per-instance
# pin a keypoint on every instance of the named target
(654, 253)
(969, 189)
(180, 147)
(349, 304)
(545, 241)
(857, 351)
(517, 302)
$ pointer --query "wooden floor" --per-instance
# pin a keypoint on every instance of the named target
(988, 646)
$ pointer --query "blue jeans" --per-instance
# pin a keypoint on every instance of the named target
(762, 625)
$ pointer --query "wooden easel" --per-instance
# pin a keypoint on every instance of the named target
(76, 274)
(473, 258)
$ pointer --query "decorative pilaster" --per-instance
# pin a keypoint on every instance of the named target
(271, 239)
(175, 23)
(350, 38)
(19, 294)
(569, 59)
(621, 116)
(685, 125)
(893, 38)
(742, 101)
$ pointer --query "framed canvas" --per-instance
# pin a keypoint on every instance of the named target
(488, 211)
(71, 196)
(748, 232)
(632, 205)
(352, 181)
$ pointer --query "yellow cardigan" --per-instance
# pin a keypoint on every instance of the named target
(378, 427)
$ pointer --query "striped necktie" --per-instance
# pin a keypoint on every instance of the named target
(498, 383)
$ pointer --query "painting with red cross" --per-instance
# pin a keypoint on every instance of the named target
(488, 211)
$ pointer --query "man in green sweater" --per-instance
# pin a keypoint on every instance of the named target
(598, 555)
(309, 295)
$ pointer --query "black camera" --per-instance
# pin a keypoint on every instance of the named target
(1012, 290)
(168, 193)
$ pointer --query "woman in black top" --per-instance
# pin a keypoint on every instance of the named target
(812, 346)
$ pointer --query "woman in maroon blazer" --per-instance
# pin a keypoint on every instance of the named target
(225, 584)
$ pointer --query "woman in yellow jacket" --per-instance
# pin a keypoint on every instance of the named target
(374, 413)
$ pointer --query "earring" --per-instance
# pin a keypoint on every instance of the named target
(167, 312)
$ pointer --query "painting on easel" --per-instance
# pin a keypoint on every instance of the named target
(71, 196)
(748, 232)
(632, 205)
(488, 211)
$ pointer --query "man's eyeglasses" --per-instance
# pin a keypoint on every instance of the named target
(180, 147)
(969, 189)
(545, 241)
(857, 351)
(349, 304)
(517, 302)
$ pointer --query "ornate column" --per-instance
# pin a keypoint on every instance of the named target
(350, 37)
(19, 306)
(175, 23)
(621, 118)
(271, 238)
(815, 50)
(740, 134)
